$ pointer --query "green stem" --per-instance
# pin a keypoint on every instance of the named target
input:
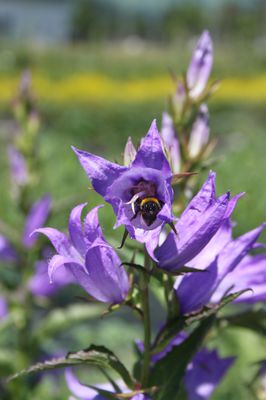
(144, 281)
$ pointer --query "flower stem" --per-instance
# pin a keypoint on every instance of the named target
(144, 281)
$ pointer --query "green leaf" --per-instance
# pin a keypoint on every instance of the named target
(176, 325)
(169, 371)
(60, 319)
(98, 356)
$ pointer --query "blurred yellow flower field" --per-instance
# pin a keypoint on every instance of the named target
(93, 87)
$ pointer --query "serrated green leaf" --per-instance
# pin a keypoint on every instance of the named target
(176, 325)
(168, 372)
(98, 356)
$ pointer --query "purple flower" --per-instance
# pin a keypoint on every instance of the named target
(219, 259)
(200, 66)
(199, 135)
(147, 178)
(84, 392)
(7, 251)
(204, 373)
(250, 273)
(36, 218)
(3, 308)
(93, 263)
(171, 143)
(199, 222)
(40, 286)
(18, 167)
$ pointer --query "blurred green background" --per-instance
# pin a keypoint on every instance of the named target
(98, 68)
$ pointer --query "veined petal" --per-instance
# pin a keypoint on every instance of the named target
(36, 218)
(250, 273)
(150, 154)
(57, 262)
(59, 240)
(92, 228)
(107, 280)
(200, 66)
(176, 251)
(213, 248)
(101, 172)
(76, 230)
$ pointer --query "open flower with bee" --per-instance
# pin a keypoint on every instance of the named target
(140, 193)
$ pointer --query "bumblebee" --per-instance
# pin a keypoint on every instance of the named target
(149, 207)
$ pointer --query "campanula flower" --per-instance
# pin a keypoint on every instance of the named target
(200, 132)
(36, 218)
(7, 251)
(171, 143)
(148, 178)
(204, 373)
(39, 284)
(83, 392)
(93, 263)
(196, 226)
(3, 307)
(196, 290)
(200, 66)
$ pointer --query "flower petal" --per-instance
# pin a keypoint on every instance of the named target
(92, 228)
(59, 240)
(150, 153)
(36, 218)
(75, 228)
(101, 172)
(107, 280)
(3, 308)
(193, 235)
(204, 373)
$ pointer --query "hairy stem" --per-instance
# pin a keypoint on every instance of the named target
(144, 282)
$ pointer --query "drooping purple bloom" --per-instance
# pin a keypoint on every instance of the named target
(200, 132)
(36, 218)
(7, 251)
(18, 167)
(92, 262)
(40, 286)
(171, 143)
(200, 66)
(84, 392)
(196, 290)
(3, 307)
(199, 222)
(204, 373)
(124, 187)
